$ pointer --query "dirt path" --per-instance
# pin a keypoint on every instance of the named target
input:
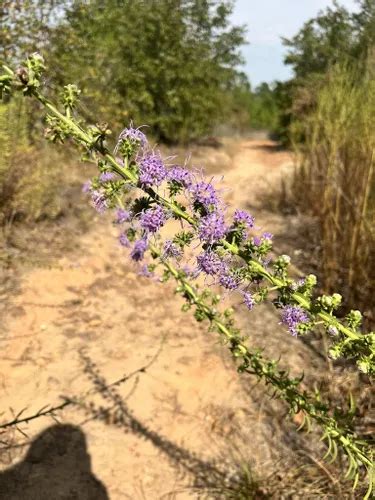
(165, 430)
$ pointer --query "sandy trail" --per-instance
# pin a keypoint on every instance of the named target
(175, 422)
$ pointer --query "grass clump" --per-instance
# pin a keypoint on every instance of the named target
(30, 174)
(336, 181)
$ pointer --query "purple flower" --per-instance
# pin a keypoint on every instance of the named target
(205, 194)
(139, 248)
(292, 317)
(210, 263)
(171, 250)
(133, 135)
(86, 188)
(153, 219)
(241, 217)
(212, 228)
(298, 284)
(152, 171)
(99, 201)
(145, 272)
(229, 281)
(107, 177)
(189, 272)
(180, 175)
(248, 300)
(124, 240)
(123, 215)
(265, 237)
(332, 330)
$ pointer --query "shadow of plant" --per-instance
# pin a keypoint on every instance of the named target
(207, 477)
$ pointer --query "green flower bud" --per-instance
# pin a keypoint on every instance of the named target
(364, 365)
(354, 318)
(228, 312)
(334, 352)
(336, 300)
(70, 96)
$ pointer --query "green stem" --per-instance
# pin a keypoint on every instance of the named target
(261, 367)
(127, 174)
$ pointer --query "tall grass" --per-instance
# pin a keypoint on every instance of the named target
(336, 181)
(29, 181)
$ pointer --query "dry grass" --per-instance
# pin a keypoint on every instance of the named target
(336, 182)
(30, 175)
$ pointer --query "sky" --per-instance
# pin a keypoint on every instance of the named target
(267, 21)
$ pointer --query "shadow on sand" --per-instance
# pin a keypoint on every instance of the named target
(56, 467)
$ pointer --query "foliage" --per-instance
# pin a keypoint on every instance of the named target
(228, 254)
(321, 42)
(167, 63)
(335, 36)
(253, 109)
(264, 109)
(26, 26)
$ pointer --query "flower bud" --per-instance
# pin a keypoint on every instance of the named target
(311, 281)
(336, 300)
(354, 318)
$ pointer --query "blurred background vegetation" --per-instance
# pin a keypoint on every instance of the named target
(175, 65)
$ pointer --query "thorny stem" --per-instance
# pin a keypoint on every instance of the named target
(304, 400)
(261, 367)
(127, 174)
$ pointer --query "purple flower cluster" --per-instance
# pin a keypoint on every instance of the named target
(212, 228)
(180, 175)
(123, 215)
(153, 219)
(210, 263)
(152, 171)
(124, 241)
(145, 272)
(229, 281)
(298, 284)
(248, 300)
(99, 201)
(205, 194)
(133, 135)
(265, 237)
(139, 249)
(171, 250)
(86, 188)
(292, 317)
(243, 218)
(107, 177)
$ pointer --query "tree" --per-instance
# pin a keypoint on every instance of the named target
(26, 26)
(321, 42)
(335, 36)
(165, 63)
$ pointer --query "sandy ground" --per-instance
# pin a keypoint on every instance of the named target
(168, 432)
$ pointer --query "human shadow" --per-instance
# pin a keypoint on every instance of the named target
(57, 466)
